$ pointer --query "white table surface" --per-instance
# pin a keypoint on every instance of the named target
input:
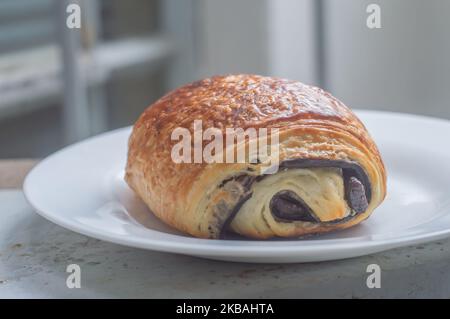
(34, 254)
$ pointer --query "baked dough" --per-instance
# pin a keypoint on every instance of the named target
(329, 173)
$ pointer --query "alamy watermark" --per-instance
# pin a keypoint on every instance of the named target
(74, 279)
(73, 20)
(374, 279)
(235, 145)
(374, 19)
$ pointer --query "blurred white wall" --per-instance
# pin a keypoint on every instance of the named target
(404, 66)
(232, 37)
(269, 37)
(292, 47)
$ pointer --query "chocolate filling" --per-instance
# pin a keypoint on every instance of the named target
(288, 206)
(349, 169)
(355, 193)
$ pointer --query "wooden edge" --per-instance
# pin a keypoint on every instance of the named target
(13, 172)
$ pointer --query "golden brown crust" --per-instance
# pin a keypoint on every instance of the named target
(312, 124)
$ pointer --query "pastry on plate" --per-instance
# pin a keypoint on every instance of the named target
(311, 167)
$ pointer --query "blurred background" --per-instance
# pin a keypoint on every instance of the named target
(60, 85)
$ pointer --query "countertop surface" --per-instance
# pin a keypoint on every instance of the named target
(35, 253)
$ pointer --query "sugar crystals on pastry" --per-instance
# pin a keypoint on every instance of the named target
(329, 172)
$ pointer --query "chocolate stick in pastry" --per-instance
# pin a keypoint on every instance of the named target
(329, 174)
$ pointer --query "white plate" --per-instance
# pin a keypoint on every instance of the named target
(81, 188)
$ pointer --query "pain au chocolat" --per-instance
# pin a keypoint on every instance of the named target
(329, 174)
